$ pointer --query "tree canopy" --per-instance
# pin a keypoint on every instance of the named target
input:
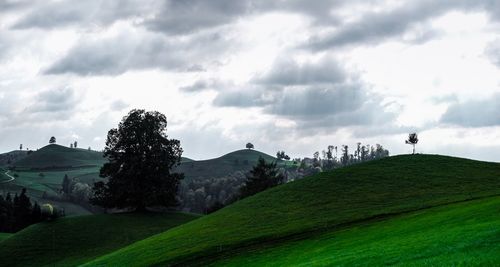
(141, 158)
(52, 140)
(264, 175)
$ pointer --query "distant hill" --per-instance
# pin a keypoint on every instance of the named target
(318, 204)
(240, 160)
(56, 156)
(12, 157)
(75, 240)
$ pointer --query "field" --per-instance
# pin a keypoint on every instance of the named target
(4, 236)
(316, 204)
(75, 240)
(462, 234)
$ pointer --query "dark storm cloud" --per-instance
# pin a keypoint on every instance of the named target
(289, 72)
(474, 113)
(375, 27)
(117, 55)
(86, 13)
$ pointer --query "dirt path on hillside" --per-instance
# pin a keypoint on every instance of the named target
(11, 178)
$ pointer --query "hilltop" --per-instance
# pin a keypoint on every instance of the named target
(319, 203)
(240, 160)
(75, 240)
(60, 157)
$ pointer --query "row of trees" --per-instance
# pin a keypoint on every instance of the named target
(332, 159)
(18, 212)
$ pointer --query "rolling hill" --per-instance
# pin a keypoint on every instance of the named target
(11, 157)
(60, 157)
(240, 160)
(317, 204)
(75, 240)
(461, 234)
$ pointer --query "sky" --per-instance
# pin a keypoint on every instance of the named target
(284, 75)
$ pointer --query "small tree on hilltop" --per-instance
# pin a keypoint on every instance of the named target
(52, 140)
(412, 140)
(141, 158)
(249, 146)
(263, 176)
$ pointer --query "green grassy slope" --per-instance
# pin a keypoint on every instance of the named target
(75, 240)
(391, 185)
(462, 234)
(240, 160)
(56, 156)
(4, 236)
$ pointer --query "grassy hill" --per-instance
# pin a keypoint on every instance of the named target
(462, 234)
(318, 203)
(75, 240)
(12, 157)
(240, 160)
(59, 157)
(4, 236)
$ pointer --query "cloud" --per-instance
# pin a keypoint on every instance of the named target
(53, 101)
(493, 52)
(289, 72)
(119, 105)
(138, 51)
(378, 26)
(89, 13)
(314, 95)
(204, 84)
(190, 16)
(474, 113)
(184, 17)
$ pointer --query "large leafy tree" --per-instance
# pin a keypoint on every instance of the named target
(141, 158)
(264, 175)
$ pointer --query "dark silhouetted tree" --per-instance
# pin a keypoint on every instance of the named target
(141, 158)
(263, 176)
(75, 145)
(66, 185)
(412, 140)
(345, 155)
(21, 147)
(281, 155)
(52, 140)
(249, 146)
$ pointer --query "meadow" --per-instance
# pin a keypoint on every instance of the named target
(318, 203)
(74, 240)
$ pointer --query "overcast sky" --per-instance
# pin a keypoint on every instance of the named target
(293, 75)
